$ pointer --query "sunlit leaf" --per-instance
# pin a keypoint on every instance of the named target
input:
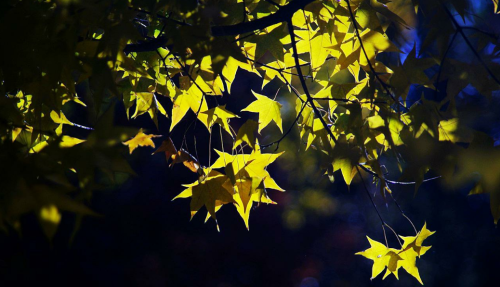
(268, 110)
(140, 139)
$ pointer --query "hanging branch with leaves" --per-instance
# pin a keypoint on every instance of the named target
(337, 62)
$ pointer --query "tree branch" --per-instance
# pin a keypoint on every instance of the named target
(442, 63)
(280, 70)
(282, 15)
(303, 82)
(152, 45)
(160, 16)
(460, 30)
(393, 181)
(146, 46)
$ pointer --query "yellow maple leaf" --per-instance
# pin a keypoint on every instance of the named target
(49, 217)
(238, 161)
(248, 186)
(215, 190)
(347, 167)
(249, 176)
(317, 45)
(253, 164)
(255, 197)
(277, 69)
(408, 262)
(60, 118)
(244, 213)
(189, 99)
(382, 257)
(146, 102)
(229, 72)
(67, 141)
(267, 109)
(393, 259)
(373, 42)
(415, 242)
(246, 134)
(452, 130)
(257, 166)
(140, 139)
(220, 116)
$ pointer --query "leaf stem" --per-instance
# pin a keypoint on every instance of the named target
(401, 210)
(370, 196)
(395, 234)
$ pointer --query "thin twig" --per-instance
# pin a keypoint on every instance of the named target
(480, 31)
(282, 76)
(349, 101)
(244, 11)
(183, 23)
(370, 196)
(385, 237)
(241, 38)
(400, 209)
(384, 224)
(460, 30)
(393, 181)
(395, 234)
(82, 127)
(442, 63)
(280, 70)
(282, 15)
(293, 89)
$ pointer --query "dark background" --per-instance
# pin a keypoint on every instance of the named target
(307, 240)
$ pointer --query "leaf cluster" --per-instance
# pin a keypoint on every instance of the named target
(176, 62)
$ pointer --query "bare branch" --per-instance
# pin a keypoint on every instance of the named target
(393, 181)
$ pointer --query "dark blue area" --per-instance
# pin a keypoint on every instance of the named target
(144, 239)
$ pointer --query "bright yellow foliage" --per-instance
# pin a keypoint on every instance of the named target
(140, 139)
(268, 110)
(394, 259)
(212, 191)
